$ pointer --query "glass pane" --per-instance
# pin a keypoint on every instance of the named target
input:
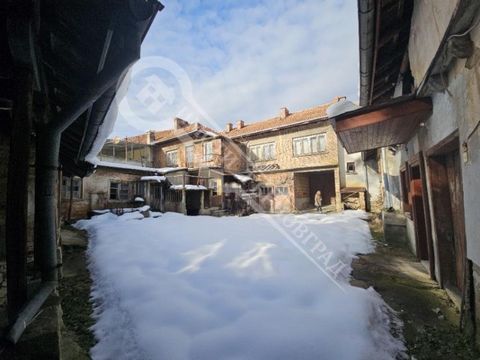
(322, 142)
(306, 146)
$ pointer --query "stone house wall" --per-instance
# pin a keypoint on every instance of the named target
(455, 113)
(160, 151)
(287, 167)
(283, 140)
(95, 193)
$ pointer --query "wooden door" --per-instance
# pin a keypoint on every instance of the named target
(454, 174)
(447, 201)
(419, 218)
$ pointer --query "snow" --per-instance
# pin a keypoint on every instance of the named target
(203, 288)
(167, 170)
(242, 178)
(341, 107)
(156, 178)
(105, 129)
(127, 166)
(138, 198)
(188, 187)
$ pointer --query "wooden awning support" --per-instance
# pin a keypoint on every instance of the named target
(386, 124)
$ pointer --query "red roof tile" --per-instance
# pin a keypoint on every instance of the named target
(318, 112)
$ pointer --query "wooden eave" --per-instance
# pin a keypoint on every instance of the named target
(386, 124)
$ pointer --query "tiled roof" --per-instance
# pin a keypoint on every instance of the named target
(318, 112)
(165, 135)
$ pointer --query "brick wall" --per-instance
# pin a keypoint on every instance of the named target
(234, 156)
(302, 192)
(160, 153)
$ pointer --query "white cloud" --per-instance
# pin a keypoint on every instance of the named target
(246, 60)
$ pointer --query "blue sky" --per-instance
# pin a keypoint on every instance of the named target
(222, 61)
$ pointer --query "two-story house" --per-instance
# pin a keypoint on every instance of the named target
(207, 163)
(292, 156)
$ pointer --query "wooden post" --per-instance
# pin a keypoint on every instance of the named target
(428, 219)
(70, 201)
(17, 198)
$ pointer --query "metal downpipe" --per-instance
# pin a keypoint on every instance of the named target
(46, 180)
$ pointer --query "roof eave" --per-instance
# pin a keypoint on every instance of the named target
(277, 128)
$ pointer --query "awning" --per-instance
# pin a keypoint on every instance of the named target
(386, 124)
(154, 178)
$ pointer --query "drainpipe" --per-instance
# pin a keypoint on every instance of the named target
(47, 159)
(46, 177)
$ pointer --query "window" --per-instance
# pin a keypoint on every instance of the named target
(172, 158)
(138, 188)
(262, 152)
(208, 151)
(214, 186)
(309, 145)
(118, 190)
(76, 186)
(189, 154)
(351, 168)
(281, 190)
(266, 190)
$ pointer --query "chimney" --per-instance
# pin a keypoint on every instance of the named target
(150, 136)
(179, 123)
(284, 112)
(240, 124)
(229, 127)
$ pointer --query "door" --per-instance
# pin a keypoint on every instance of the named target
(454, 174)
(447, 201)
(419, 219)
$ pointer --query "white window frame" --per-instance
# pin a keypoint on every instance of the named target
(187, 149)
(168, 156)
(281, 190)
(309, 145)
(207, 151)
(262, 152)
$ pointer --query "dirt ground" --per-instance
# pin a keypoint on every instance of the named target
(74, 290)
(431, 320)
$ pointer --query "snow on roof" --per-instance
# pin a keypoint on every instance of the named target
(341, 107)
(156, 178)
(105, 129)
(126, 166)
(188, 187)
(167, 170)
(242, 178)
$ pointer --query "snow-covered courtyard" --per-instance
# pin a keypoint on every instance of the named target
(263, 287)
